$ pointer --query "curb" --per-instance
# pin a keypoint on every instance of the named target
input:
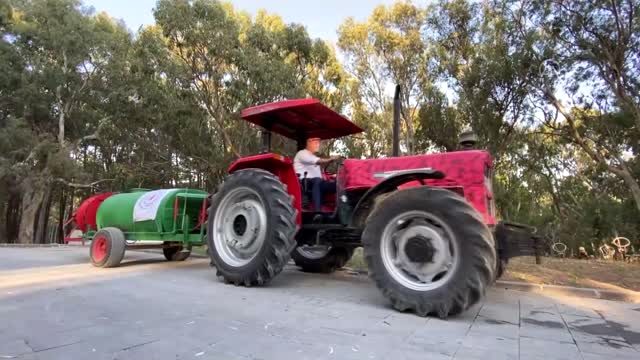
(626, 296)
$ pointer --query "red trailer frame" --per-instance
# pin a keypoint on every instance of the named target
(84, 218)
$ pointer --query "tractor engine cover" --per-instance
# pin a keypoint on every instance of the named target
(466, 172)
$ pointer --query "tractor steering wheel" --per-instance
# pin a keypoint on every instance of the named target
(338, 165)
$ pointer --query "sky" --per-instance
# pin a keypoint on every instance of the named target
(321, 17)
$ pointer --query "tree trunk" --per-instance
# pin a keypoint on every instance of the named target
(634, 187)
(61, 115)
(3, 211)
(62, 205)
(622, 171)
(69, 210)
(33, 194)
(12, 217)
(41, 232)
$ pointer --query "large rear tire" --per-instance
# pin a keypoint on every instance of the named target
(251, 228)
(318, 260)
(429, 251)
(107, 247)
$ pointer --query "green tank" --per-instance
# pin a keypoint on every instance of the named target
(173, 220)
(158, 211)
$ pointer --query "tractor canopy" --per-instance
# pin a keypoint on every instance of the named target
(300, 119)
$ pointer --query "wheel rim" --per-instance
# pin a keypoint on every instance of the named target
(315, 252)
(99, 248)
(419, 250)
(240, 226)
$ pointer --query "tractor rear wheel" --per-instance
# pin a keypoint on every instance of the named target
(321, 259)
(251, 228)
(175, 253)
(107, 247)
(429, 251)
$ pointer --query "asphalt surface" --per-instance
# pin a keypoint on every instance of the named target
(55, 305)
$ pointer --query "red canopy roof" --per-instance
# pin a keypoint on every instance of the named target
(300, 118)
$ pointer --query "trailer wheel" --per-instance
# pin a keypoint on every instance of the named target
(107, 247)
(251, 228)
(429, 251)
(320, 259)
(175, 253)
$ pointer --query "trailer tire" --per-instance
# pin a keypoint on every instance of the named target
(107, 247)
(251, 227)
(175, 253)
(334, 259)
(429, 227)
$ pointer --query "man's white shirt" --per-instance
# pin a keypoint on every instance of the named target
(306, 161)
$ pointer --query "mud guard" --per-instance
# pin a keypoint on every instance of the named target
(280, 166)
(392, 180)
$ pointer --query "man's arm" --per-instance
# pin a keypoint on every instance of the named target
(307, 158)
(325, 161)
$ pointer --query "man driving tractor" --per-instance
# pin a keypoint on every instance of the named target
(308, 166)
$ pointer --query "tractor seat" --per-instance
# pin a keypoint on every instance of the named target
(305, 190)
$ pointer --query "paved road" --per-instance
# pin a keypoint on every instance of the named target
(53, 305)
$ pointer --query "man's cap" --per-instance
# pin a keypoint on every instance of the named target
(468, 137)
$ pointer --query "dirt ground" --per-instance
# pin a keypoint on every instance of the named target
(599, 274)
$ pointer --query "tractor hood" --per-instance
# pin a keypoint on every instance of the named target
(300, 118)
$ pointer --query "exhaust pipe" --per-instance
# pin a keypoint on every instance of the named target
(395, 150)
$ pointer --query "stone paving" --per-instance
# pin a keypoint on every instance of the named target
(54, 305)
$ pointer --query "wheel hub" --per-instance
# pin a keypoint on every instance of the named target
(99, 245)
(417, 250)
(240, 225)
(243, 226)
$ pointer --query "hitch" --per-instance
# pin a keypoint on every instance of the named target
(513, 239)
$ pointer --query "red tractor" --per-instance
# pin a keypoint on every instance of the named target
(427, 222)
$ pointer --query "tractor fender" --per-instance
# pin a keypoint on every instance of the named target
(392, 180)
(280, 166)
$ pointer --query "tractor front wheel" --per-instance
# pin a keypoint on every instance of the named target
(320, 259)
(429, 251)
(251, 227)
(107, 247)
